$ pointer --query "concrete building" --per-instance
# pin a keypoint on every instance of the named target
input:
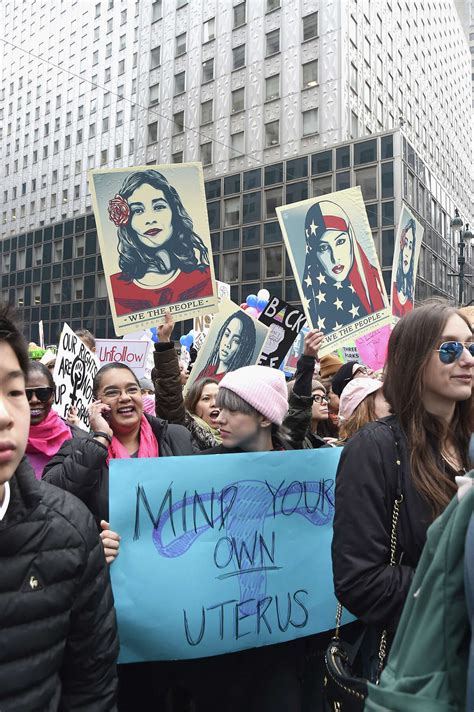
(280, 99)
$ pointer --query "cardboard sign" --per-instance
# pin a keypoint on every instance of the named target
(372, 347)
(131, 353)
(335, 265)
(406, 254)
(222, 553)
(202, 324)
(74, 372)
(285, 322)
(235, 339)
(154, 240)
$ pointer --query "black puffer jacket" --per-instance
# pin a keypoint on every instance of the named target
(58, 635)
(81, 467)
(366, 486)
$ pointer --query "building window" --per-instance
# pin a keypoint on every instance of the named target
(239, 14)
(105, 124)
(103, 157)
(272, 42)
(367, 95)
(178, 122)
(121, 67)
(237, 144)
(310, 74)
(156, 10)
(179, 83)
(154, 94)
(273, 199)
(152, 133)
(272, 87)
(273, 262)
(155, 57)
(230, 267)
(208, 30)
(238, 100)
(232, 211)
(180, 44)
(206, 153)
(238, 57)
(119, 120)
(322, 186)
(95, 57)
(108, 50)
(310, 122)
(310, 26)
(207, 70)
(177, 157)
(79, 136)
(367, 179)
(272, 5)
(272, 134)
(206, 111)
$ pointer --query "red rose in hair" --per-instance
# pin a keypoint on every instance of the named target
(119, 211)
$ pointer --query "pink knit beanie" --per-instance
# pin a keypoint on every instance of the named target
(262, 387)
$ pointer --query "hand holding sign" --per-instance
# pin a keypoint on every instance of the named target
(312, 343)
(165, 330)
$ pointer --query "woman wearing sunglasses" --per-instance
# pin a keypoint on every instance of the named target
(47, 430)
(413, 456)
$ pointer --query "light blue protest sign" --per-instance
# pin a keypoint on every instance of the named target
(222, 552)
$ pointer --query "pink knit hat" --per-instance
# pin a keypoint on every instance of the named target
(262, 387)
(354, 393)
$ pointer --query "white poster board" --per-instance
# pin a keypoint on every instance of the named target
(131, 353)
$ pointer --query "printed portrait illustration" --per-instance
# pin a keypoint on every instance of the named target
(405, 264)
(153, 253)
(234, 340)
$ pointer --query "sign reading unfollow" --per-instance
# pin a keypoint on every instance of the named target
(212, 563)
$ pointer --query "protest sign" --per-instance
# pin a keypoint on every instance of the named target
(202, 324)
(234, 339)
(132, 353)
(335, 265)
(285, 322)
(348, 353)
(154, 240)
(406, 254)
(222, 553)
(291, 358)
(73, 375)
(372, 347)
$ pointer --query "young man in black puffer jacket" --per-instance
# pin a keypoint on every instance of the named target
(58, 635)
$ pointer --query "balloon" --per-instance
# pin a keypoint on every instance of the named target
(261, 304)
(244, 305)
(183, 340)
(253, 312)
(252, 300)
(189, 341)
(263, 294)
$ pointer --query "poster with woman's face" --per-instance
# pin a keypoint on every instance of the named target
(335, 265)
(234, 339)
(406, 254)
(154, 240)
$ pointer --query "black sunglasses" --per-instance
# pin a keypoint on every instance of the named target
(43, 394)
(450, 351)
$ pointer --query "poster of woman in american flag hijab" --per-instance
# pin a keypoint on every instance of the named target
(335, 265)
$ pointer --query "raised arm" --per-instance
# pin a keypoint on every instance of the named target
(166, 377)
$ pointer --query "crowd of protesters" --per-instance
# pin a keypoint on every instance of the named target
(405, 435)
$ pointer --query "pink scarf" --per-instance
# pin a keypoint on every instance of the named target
(148, 444)
(48, 436)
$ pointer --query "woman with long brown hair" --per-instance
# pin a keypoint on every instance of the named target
(412, 456)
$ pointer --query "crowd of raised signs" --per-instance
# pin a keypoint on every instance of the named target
(405, 434)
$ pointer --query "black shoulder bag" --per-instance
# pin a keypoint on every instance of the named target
(345, 692)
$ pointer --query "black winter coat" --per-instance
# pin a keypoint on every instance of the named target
(366, 487)
(58, 634)
(81, 467)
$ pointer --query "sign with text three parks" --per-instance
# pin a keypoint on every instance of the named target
(222, 552)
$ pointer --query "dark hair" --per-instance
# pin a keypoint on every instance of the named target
(243, 354)
(86, 335)
(135, 258)
(10, 333)
(194, 393)
(410, 347)
(105, 369)
(405, 281)
(37, 367)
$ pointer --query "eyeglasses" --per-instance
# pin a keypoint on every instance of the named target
(114, 393)
(320, 399)
(450, 351)
(43, 394)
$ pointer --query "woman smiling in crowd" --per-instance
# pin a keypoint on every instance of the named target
(162, 260)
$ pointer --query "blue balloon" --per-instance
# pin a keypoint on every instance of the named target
(252, 300)
(154, 334)
(189, 341)
(261, 304)
(183, 339)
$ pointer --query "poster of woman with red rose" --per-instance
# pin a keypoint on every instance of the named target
(156, 252)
